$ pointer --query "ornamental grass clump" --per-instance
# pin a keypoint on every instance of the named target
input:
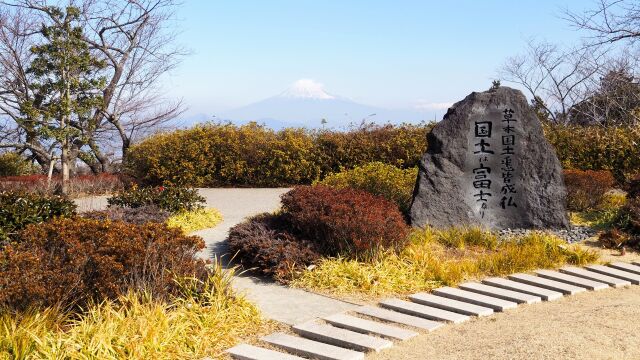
(202, 320)
(433, 260)
(198, 219)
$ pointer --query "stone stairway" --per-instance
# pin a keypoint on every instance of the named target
(350, 335)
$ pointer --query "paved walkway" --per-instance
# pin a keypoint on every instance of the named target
(369, 330)
(277, 302)
(281, 303)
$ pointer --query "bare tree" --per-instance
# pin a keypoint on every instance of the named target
(611, 21)
(554, 77)
(615, 98)
(135, 38)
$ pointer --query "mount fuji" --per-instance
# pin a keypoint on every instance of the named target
(307, 104)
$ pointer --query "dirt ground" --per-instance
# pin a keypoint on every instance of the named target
(592, 325)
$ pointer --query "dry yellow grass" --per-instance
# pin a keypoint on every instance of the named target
(198, 324)
(436, 258)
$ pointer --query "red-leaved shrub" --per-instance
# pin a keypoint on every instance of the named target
(73, 261)
(586, 189)
(344, 221)
(78, 185)
(264, 242)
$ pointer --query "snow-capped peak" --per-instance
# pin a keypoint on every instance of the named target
(306, 89)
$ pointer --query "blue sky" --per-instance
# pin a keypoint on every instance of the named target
(393, 53)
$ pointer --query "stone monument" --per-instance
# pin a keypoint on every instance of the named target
(489, 164)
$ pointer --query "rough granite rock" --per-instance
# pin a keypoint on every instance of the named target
(490, 143)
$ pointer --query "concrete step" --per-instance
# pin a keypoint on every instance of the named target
(547, 284)
(400, 318)
(450, 304)
(626, 267)
(496, 292)
(474, 298)
(310, 348)
(591, 275)
(341, 337)
(369, 327)
(572, 280)
(250, 352)
(609, 271)
(636, 263)
(545, 294)
(422, 311)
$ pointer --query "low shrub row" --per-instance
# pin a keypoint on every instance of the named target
(597, 148)
(78, 185)
(216, 155)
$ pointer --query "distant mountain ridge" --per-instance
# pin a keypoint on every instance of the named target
(306, 104)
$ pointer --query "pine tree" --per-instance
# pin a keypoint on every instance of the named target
(67, 84)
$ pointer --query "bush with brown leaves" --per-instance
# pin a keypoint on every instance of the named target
(263, 242)
(586, 189)
(71, 262)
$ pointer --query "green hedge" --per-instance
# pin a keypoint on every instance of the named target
(218, 155)
(251, 155)
(616, 149)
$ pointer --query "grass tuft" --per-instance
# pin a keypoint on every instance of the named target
(436, 258)
(190, 221)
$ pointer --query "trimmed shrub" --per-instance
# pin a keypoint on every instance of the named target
(171, 198)
(388, 181)
(19, 209)
(71, 262)
(13, 164)
(398, 145)
(344, 221)
(225, 155)
(214, 155)
(586, 189)
(138, 216)
(597, 148)
(264, 242)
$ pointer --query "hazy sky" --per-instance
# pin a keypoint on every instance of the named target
(392, 53)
